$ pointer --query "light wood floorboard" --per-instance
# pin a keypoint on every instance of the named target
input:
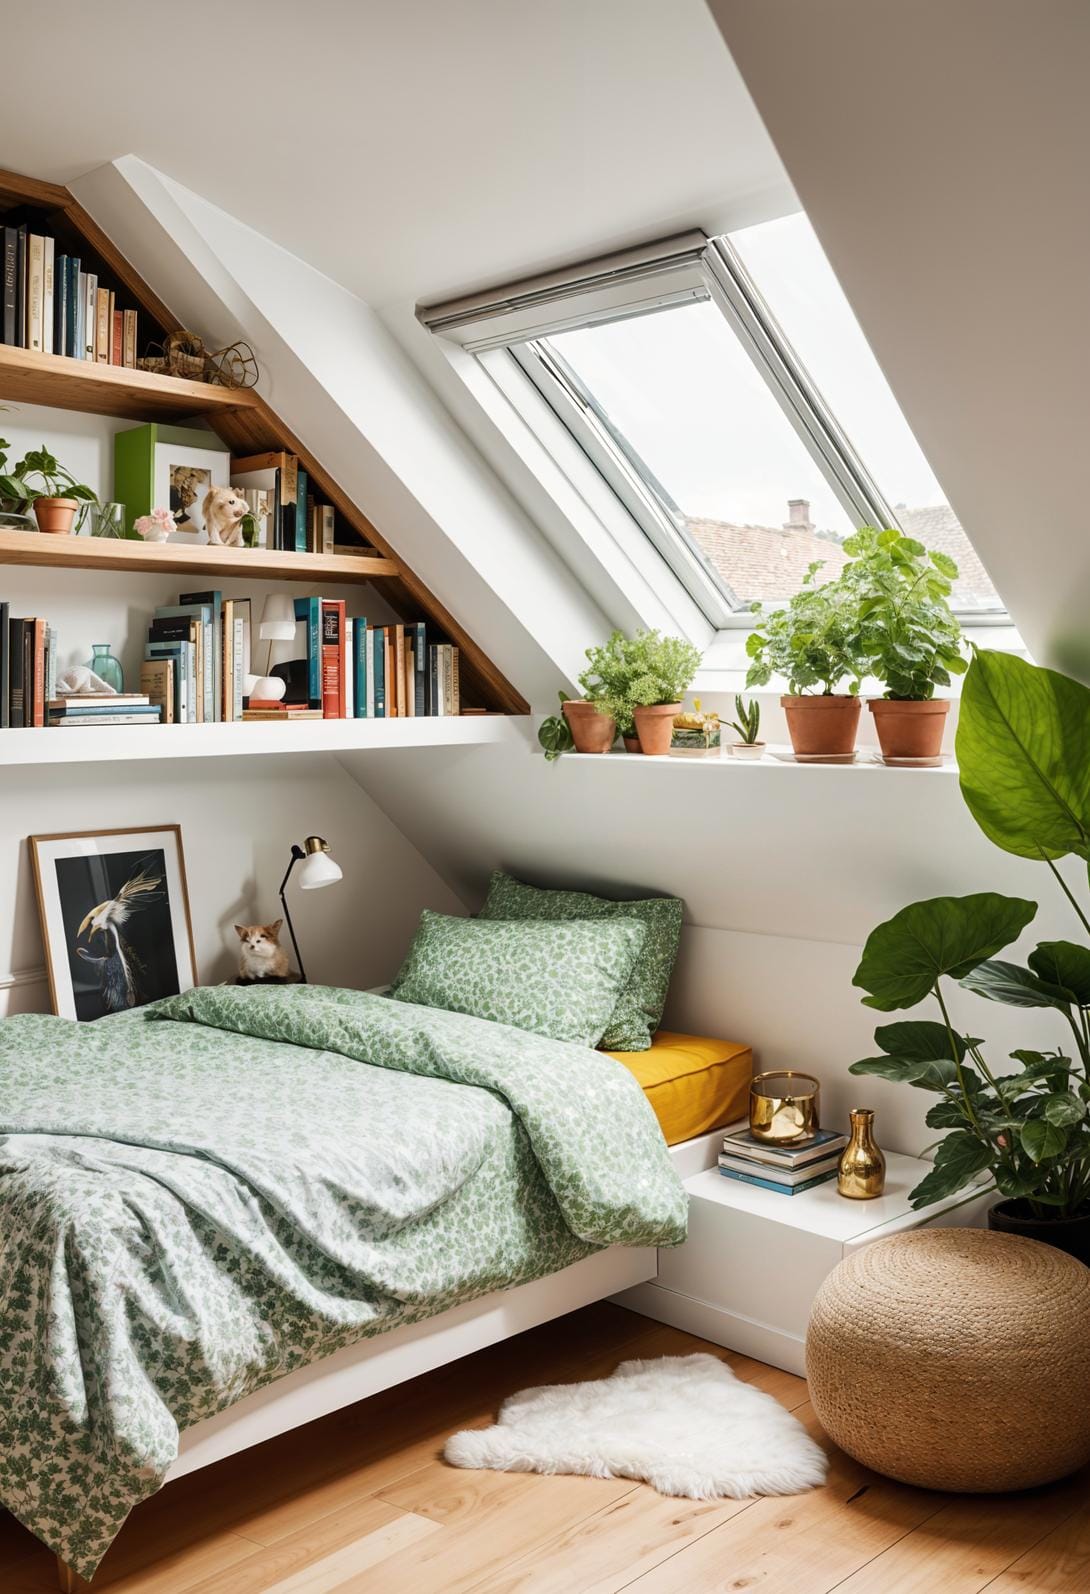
(362, 1503)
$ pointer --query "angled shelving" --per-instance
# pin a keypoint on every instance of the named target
(97, 389)
(115, 743)
(184, 561)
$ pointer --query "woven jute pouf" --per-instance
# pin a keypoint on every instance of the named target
(955, 1359)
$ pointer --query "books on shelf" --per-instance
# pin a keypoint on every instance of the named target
(28, 669)
(51, 305)
(116, 708)
(788, 1170)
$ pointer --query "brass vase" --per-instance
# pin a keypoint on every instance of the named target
(861, 1175)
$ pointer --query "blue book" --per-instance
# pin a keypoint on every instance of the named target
(361, 659)
(418, 636)
(214, 601)
(779, 1189)
(184, 655)
(71, 315)
(81, 313)
(743, 1143)
(301, 512)
(309, 611)
(203, 613)
(378, 661)
(71, 707)
(60, 304)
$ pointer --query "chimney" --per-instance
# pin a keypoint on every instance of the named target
(798, 515)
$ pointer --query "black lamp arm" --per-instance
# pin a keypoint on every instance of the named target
(296, 854)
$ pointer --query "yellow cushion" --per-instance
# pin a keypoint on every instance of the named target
(693, 1082)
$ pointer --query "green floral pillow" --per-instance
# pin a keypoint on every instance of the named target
(638, 1011)
(560, 980)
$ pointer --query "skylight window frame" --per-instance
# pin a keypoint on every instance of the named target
(512, 324)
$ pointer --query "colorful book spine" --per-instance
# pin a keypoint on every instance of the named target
(71, 329)
(11, 257)
(778, 1189)
(378, 672)
(49, 258)
(333, 705)
(60, 305)
(361, 652)
(35, 290)
(300, 541)
(309, 611)
(90, 313)
(103, 323)
(20, 287)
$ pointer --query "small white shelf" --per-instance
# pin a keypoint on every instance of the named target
(778, 757)
(116, 743)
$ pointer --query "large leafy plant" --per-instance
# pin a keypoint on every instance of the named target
(814, 643)
(627, 673)
(1023, 746)
(17, 484)
(910, 638)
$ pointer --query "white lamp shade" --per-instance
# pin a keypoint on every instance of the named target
(317, 870)
(277, 619)
(266, 688)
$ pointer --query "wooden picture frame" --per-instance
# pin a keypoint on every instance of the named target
(114, 910)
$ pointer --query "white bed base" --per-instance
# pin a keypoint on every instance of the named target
(371, 1365)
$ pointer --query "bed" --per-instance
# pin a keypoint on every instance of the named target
(236, 1210)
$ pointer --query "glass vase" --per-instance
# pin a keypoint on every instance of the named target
(107, 520)
(106, 667)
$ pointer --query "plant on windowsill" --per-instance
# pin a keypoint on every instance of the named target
(748, 726)
(814, 645)
(554, 733)
(1024, 780)
(639, 682)
(910, 637)
(56, 501)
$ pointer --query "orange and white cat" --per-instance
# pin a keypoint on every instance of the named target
(261, 957)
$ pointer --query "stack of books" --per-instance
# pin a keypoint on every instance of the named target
(788, 1170)
(100, 708)
(53, 306)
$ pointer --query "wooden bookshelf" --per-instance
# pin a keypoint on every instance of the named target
(184, 560)
(30, 378)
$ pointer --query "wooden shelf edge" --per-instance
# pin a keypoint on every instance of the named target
(116, 743)
(158, 558)
(64, 383)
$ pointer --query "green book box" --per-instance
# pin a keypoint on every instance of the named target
(143, 456)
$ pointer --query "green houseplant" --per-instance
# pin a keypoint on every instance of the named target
(908, 634)
(814, 644)
(748, 726)
(1023, 747)
(57, 499)
(554, 733)
(639, 682)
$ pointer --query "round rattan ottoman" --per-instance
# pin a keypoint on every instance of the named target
(955, 1359)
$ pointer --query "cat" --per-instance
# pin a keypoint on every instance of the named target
(262, 960)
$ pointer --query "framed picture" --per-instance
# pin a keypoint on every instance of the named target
(115, 918)
(159, 467)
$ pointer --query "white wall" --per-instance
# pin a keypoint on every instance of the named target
(940, 151)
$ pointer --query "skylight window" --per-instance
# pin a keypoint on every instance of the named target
(725, 393)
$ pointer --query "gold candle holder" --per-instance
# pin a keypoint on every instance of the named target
(861, 1175)
(783, 1107)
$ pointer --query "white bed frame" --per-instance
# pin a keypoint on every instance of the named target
(371, 1365)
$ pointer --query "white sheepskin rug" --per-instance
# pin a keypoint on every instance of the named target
(683, 1424)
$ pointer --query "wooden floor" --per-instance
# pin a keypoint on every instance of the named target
(362, 1502)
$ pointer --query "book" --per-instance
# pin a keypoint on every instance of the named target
(362, 701)
(324, 540)
(308, 612)
(103, 325)
(300, 540)
(293, 712)
(199, 607)
(5, 657)
(132, 717)
(378, 672)
(100, 711)
(333, 682)
(183, 655)
(49, 259)
(36, 673)
(80, 284)
(213, 639)
(11, 255)
(276, 475)
(740, 1142)
(118, 337)
(90, 313)
(16, 662)
(778, 1189)
(787, 1177)
(35, 290)
(157, 679)
(128, 338)
(20, 286)
(60, 305)
(96, 702)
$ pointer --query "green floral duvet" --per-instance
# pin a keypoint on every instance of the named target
(198, 1198)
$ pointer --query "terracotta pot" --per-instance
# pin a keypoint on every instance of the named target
(909, 730)
(631, 744)
(655, 727)
(747, 749)
(822, 727)
(592, 731)
(56, 515)
(1066, 1234)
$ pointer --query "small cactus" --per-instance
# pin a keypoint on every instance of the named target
(748, 723)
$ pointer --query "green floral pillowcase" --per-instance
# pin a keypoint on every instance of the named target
(559, 980)
(638, 1010)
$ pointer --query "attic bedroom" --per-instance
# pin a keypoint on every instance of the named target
(544, 725)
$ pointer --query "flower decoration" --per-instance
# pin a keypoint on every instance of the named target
(157, 526)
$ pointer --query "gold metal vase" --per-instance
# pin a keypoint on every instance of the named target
(783, 1107)
(861, 1175)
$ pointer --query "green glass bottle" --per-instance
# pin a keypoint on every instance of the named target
(106, 667)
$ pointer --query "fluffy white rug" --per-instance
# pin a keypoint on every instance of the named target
(683, 1424)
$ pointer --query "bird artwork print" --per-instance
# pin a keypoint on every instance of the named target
(118, 965)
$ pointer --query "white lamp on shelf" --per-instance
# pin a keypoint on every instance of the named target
(277, 625)
(318, 870)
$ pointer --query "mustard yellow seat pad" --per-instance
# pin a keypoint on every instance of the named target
(693, 1082)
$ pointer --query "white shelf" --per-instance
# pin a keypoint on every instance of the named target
(114, 743)
(777, 757)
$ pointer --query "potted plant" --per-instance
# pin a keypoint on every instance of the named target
(57, 500)
(640, 681)
(554, 733)
(910, 637)
(814, 645)
(1028, 1128)
(748, 726)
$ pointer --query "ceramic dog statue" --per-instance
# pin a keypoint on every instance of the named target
(223, 510)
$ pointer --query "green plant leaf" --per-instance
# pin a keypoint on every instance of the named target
(895, 1068)
(1023, 747)
(958, 1160)
(1017, 987)
(943, 563)
(925, 1073)
(945, 1115)
(919, 1038)
(904, 957)
(1064, 1109)
(554, 735)
(1066, 964)
(1041, 1139)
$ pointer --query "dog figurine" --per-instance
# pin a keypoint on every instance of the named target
(223, 512)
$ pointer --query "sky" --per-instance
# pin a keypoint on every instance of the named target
(687, 396)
